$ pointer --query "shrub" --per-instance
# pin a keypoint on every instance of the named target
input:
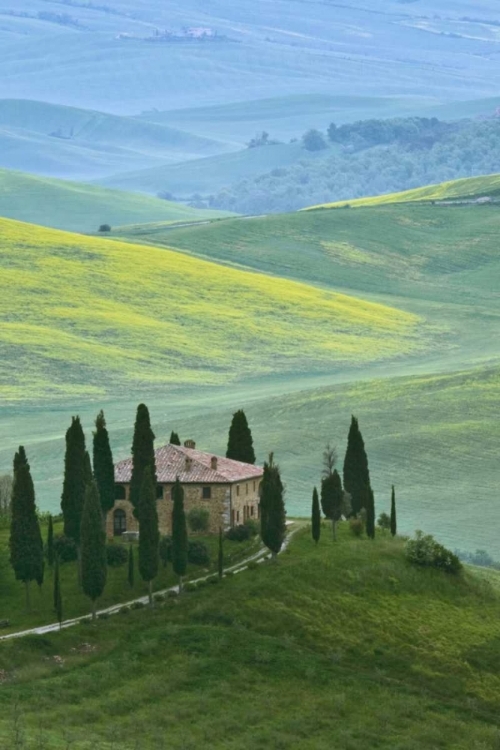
(425, 551)
(253, 565)
(356, 526)
(171, 594)
(124, 610)
(105, 228)
(190, 587)
(158, 597)
(384, 521)
(103, 616)
(238, 533)
(116, 555)
(165, 550)
(253, 527)
(65, 548)
(198, 553)
(4, 624)
(213, 580)
(137, 605)
(198, 519)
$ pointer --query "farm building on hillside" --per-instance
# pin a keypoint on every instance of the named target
(228, 489)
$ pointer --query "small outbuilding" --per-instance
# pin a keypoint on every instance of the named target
(229, 490)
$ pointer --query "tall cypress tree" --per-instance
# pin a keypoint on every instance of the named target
(26, 545)
(179, 533)
(220, 556)
(104, 470)
(143, 455)
(174, 438)
(57, 593)
(131, 567)
(315, 517)
(240, 442)
(75, 480)
(93, 547)
(20, 458)
(370, 514)
(394, 527)
(332, 498)
(89, 474)
(149, 533)
(356, 472)
(273, 516)
(50, 542)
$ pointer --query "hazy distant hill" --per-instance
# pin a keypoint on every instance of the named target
(115, 56)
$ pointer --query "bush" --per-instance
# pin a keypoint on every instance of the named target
(253, 527)
(198, 554)
(356, 526)
(189, 587)
(238, 533)
(103, 616)
(124, 610)
(213, 580)
(65, 548)
(4, 624)
(384, 521)
(137, 605)
(171, 594)
(313, 140)
(198, 519)
(165, 550)
(158, 597)
(253, 565)
(116, 555)
(425, 551)
(105, 228)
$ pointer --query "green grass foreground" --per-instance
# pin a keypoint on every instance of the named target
(117, 590)
(344, 645)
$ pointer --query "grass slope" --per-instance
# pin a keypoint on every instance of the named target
(469, 188)
(87, 317)
(338, 645)
(212, 173)
(77, 207)
(61, 141)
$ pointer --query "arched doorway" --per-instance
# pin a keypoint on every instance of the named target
(119, 522)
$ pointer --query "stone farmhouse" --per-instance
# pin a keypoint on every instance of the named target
(228, 489)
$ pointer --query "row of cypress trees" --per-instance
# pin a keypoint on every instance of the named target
(357, 487)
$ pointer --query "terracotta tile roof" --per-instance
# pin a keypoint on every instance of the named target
(171, 463)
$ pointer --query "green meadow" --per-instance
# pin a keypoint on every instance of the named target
(339, 645)
(79, 207)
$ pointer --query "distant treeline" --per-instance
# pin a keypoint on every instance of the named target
(375, 157)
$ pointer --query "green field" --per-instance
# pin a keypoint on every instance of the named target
(77, 207)
(341, 645)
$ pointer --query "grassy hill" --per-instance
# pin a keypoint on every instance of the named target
(331, 644)
(86, 316)
(61, 141)
(467, 189)
(77, 207)
(212, 173)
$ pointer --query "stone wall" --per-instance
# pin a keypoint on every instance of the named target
(244, 498)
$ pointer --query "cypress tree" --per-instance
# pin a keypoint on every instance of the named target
(179, 533)
(143, 455)
(50, 542)
(104, 469)
(356, 472)
(315, 517)
(20, 459)
(93, 547)
(240, 442)
(174, 438)
(273, 526)
(89, 475)
(220, 556)
(394, 527)
(26, 545)
(131, 569)
(370, 513)
(149, 534)
(57, 593)
(75, 480)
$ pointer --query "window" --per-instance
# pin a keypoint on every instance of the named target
(119, 522)
(120, 493)
(237, 516)
(237, 489)
(159, 491)
(251, 510)
(246, 488)
(254, 486)
(206, 493)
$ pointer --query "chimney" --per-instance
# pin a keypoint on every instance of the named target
(213, 463)
(189, 463)
(189, 444)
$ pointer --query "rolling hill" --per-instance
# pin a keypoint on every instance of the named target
(90, 317)
(124, 65)
(342, 645)
(77, 207)
(61, 141)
